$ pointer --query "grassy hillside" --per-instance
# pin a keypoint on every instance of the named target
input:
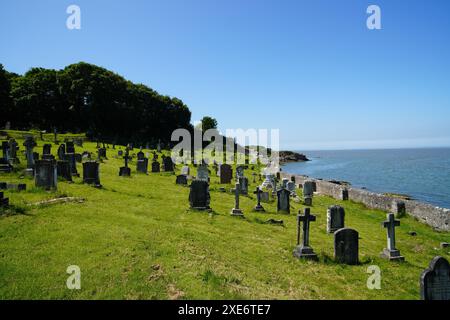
(137, 239)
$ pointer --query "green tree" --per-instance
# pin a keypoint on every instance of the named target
(6, 102)
(208, 123)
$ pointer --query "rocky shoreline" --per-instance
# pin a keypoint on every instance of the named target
(291, 156)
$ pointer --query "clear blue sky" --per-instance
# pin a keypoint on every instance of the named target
(310, 68)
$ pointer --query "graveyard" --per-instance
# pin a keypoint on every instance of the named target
(136, 233)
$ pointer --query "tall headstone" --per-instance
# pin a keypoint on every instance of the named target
(239, 172)
(46, 175)
(13, 146)
(291, 187)
(168, 164)
(283, 204)
(335, 218)
(29, 144)
(258, 207)
(62, 152)
(125, 171)
(5, 150)
(308, 192)
(243, 183)
(199, 197)
(303, 249)
(226, 173)
(391, 253)
(435, 281)
(346, 246)
(47, 152)
(236, 211)
(202, 173)
(91, 173)
(63, 170)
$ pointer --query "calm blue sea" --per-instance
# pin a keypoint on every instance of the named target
(423, 174)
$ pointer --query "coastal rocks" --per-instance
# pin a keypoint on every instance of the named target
(290, 156)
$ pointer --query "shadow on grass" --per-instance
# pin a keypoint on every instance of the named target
(14, 210)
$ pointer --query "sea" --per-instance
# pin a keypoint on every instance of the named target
(422, 174)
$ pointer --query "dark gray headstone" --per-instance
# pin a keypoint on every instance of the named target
(63, 170)
(243, 185)
(202, 173)
(199, 197)
(335, 218)
(142, 165)
(226, 173)
(46, 175)
(346, 246)
(435, 281)
(4, 202)
(167, 164)
(91, 173)
(181, 179)
(283, 204)
(308, 189)
(156, 166)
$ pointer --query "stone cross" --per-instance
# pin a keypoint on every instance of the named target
(303, 250)
(391, 252)
(236, 211)
(126, 157)
(258, 206)
(29, 145)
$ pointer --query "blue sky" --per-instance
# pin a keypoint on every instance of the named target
(310, 68)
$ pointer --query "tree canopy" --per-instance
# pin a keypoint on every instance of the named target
(86, 98)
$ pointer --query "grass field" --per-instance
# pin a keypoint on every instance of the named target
(136, 238)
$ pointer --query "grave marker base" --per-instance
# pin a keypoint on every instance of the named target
(392, 255)
(305, 253)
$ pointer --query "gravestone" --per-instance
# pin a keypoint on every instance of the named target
(70, 147)
(335, 218)
(140, 155)
(167, 164)
(47, 152)
(284, 183)
(303, 249)
(240, 171)
(202, 173)
(435, 281)
(226, 173)
(264, 197)
(61, 152)
(5, 166)
(181, 179)
(78, 158)
(46, 175)
(156, 166)
(346, 246)
(243, 183)
(91, 173)
(185, 170)
(236, 211)
(63, 170)
(269, 182)
(142, 165)
(283, 204)
(120, 153)
(258, 207)
(70, 157)
(125, 171)
(199, 197)
(5, 150)
(391, 253)
(4, 202)
(291, 187)
(398, 208)
(29, 144)
(102, 153)
(13, 146)
(308, 192)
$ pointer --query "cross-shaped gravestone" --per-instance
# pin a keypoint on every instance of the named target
(29, 145)
(303, 250)
(236, 211)
(258, 206)
(391, 252)
(125, 171)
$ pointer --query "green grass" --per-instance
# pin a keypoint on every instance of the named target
(137, 239)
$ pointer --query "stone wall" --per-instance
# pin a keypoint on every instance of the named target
(438, 218)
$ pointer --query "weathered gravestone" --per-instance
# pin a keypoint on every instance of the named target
(142, 165)
(47, 152)
(284, 183)
(29, 144)
(335, 218)
(240, 171)
(303, 249)
(243, 183)
(181, 179)
(308, 192)
(226, 173)
(202, 173)
(236, 211)
(435, 281)
(5, 150)
(63, 170)
(4, 202)
(102, 153)
(156, 166)
(167, 164)
(199, 197)
(62, 152)
(258, 207)
(46, 175)
(346, 246)
(13, 146)
(91, 173)
(264, 196)
(71, 158)
(283, 204)
(391, 253)
(291, 187)
(140, 155)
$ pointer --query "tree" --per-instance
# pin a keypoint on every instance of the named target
(5, 96)
(208, 123)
